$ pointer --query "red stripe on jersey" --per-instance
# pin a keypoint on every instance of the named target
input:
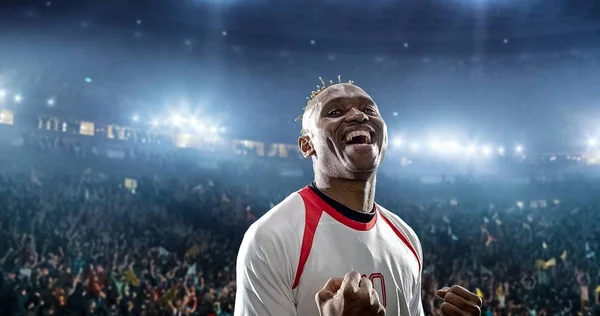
(312, 199)
(403, 238)
(313, 215)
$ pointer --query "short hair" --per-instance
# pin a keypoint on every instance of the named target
(313, 94)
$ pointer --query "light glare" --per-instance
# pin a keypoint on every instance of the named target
(519, 148)
(486, 150)
(452, 146)
(398, 141)
(176, 119)
(414, 146)
(435, 145)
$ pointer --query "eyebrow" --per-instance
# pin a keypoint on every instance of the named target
(339, 100)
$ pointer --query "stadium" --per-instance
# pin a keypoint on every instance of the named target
(139, 141)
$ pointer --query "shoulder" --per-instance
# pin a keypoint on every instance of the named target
(279, 230)
(278, 221)
(396, 222)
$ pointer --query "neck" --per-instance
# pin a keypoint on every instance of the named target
(358, 195)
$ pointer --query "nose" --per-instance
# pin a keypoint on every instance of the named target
(355, 115)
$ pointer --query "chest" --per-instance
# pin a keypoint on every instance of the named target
(377, 254)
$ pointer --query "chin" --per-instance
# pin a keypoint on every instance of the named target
(362, 175)
(362, 165)
(361, 168)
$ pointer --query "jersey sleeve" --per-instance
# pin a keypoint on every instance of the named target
(416, 304)
(262, 276)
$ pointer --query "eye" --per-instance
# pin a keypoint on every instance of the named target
(370, 111)
(334, 112)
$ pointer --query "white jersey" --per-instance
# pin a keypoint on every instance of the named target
(288, 255)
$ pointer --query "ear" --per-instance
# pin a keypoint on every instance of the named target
(305, 146)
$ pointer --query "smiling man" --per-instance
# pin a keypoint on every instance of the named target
(333, 226)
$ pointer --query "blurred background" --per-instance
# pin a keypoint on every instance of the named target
(138, 140)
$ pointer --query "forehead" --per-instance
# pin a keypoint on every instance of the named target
(341, 91)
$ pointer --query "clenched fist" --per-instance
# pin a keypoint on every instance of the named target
(351, 296)
(459, 301)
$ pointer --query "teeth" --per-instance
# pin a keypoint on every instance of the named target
(358, 133)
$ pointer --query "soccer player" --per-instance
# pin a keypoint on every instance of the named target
(333, 226)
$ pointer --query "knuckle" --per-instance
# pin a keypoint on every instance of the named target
(462, 304)
(445, 307)
(479, 301)
(451, 297)
(318, 295)
(348, 291)
(354, 275)
(375, 308)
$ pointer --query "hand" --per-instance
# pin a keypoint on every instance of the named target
(459, 301)
(349, 297)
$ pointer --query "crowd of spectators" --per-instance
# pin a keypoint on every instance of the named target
(84, 242)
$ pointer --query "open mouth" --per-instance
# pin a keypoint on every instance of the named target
(358, 138)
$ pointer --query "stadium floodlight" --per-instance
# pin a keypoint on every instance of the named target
(519, 149)
(592, 142)
(50, 102)
(435, 145)
(501, 151)
(18, 98)
(201, 127)
(2, 94)
(135, 118)
(397, 141)
(414, 147)
(486, 150)
(176, 120)
(471, 149)
(154, 123)
(452, 146)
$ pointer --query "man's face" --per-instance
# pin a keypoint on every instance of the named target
(347, 137)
